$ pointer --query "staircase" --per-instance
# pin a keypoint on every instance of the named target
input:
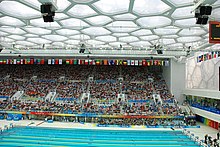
(17, 95)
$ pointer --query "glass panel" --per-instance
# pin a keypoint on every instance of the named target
(95, 42)
(16, 37)
(149, 7)
(106, 38)
(59, 16)
(77, 11)
(54, 37)
(72, 42)
(127, 16)
(99, 20)
(140, 44)
(186, 22)
(62, 5)
(142, 32)
(12, 30)
(168, 41)
(122, 24)
(183, 12)
(67, 32)
(181, 2)
(25, 43)
(40, 22)
(117, 44)
(166, 31)
(155, 21)
(80, 37)
(73, 22)
(6, 20)
(34, 3)
(120, 34)
(39, 31)
(30, 35)
(112, 6)
(96, 31)
(215, 14)
(170, 36)
(192, 31)
(39, 40)
(128, 39)
(18, 10)
(151, 37)
(188, 39)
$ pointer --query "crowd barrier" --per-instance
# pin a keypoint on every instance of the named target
(213, 110)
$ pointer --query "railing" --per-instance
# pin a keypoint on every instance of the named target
(210, 109)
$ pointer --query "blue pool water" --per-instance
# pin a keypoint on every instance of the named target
(50, 137)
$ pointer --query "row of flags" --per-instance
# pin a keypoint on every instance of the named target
(208, 56)
(86, 62)
(22, 61)
(118, 62)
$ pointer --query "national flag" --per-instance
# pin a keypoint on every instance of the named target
(60, 61)
(22, 61)
(166, 63)
(136, 62)
(159, 62)
(120, 62)
(210, 56)
(15, 61)
(28, 61)
(155, 62)
(79, 61)
(32, 61)
(42, 61)
(140, 62)
(49, 61)
(71, 61)
(124, 62)
(111, 62)
(129, 62)
(67, 61)
(18, 61)
(75, 62)
(8, 61)
(97, 62)
(105, 62)
(132, 62)
(4, 61)
(1, 61)
(215, 55)
(86, 62)
(56, 61)
(162, 62)
(148, 63)
(90, 62)
(144, 63)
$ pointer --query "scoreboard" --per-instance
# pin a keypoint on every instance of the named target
(214, 32)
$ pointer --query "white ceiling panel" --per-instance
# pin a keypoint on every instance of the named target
(72, 42)
(128, 39)
(6, 20)
(16, 37)
(16, 9)
(215, 14)
(183, 12)
(73, 22)
(127, 16)
(120, 34)
(80, 37)
(150, 7)
(106, 38)
(38, 31)
(168, 41)
(181, 2)
(96, 31)
(55, 37)
(40, 23)
(67, 32)
(39, 40)
(62, 5)
(141, 32)
(166, 31)
(26, 43)
(112, 6)
(117, 44)
(81, 11)
(150, 37)
(188, 39)
(190, 22)
(154, 21)
(99, 20)
(192, 31)
(16, 31)
(140, 44)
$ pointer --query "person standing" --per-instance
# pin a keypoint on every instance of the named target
(218, 135)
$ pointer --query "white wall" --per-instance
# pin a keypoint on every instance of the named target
(175, 78)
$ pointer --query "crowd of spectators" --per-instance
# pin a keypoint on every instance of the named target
(70, 82)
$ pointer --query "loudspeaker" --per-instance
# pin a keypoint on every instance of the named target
(159, 52)
(46, 9)
(205, 10)
(48, 18)
(81, 50)
(202, 20)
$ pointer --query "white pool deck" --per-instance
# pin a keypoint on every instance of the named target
(200, 132)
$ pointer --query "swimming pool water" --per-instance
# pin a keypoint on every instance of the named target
(55, 137)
